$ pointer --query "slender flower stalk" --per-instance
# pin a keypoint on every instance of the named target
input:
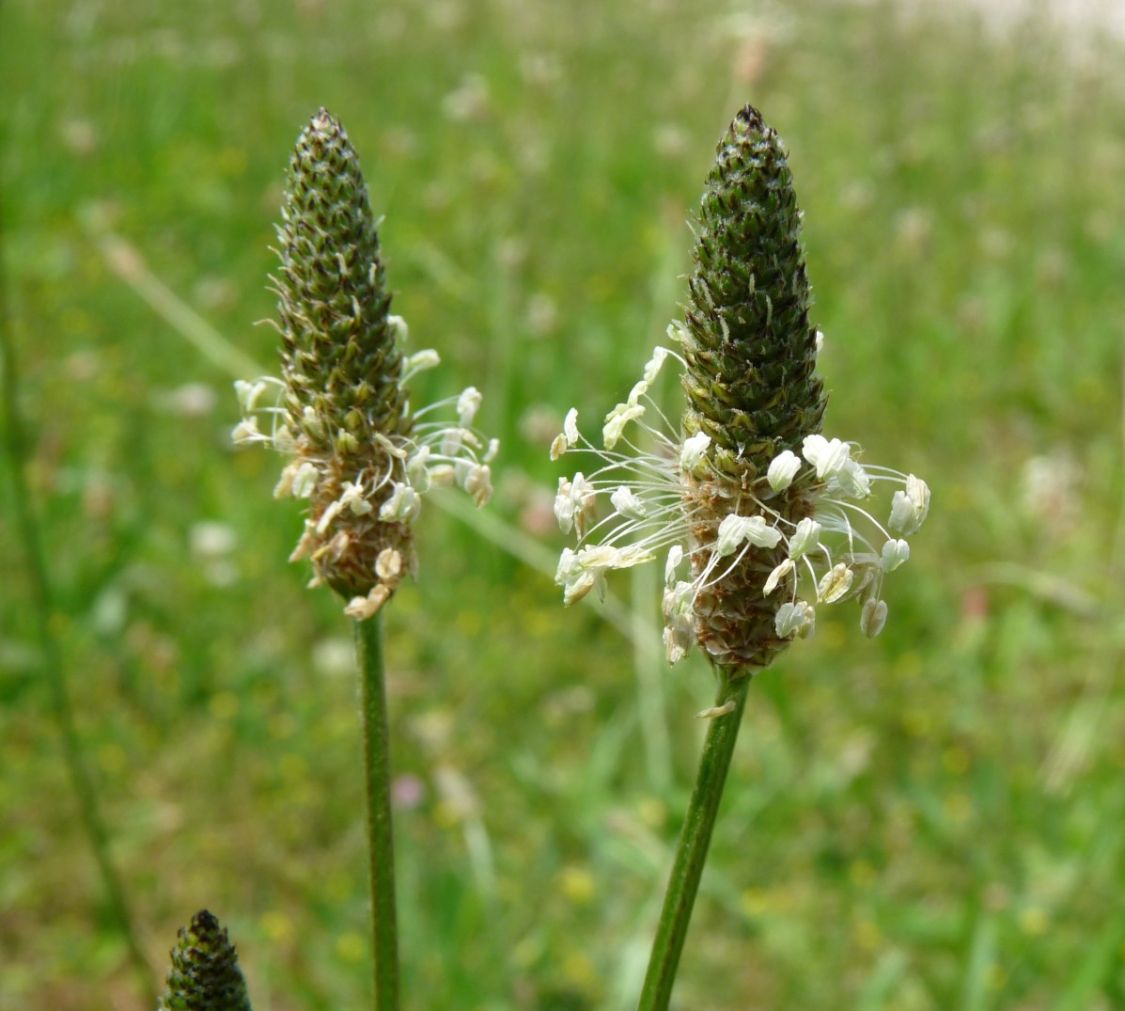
(205, 975)
(760, 518)
(369, 649)
(695, 839)
(82, 781)
(357, 452)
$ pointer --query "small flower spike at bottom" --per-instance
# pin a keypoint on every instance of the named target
(205, 975)
(761, 519)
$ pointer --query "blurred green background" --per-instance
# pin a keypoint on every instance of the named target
(930, 820)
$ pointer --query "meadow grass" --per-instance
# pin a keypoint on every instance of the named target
(931, 820)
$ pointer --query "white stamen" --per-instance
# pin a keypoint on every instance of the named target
(245, 431)
(693, 451)
(737, 530)
(399, 329)
(334, 509)
(570, 427)
(778, 574)
(248, 393)
(894, 554)
(805, 538)
(796, 618)
(402, 507)
(353, 498)
(479, 484)
(616, 421)
(417, 473)
(675, 557)
(627, 503)
(304, 480)
(829, 458)
(783, 468)
(420, 361)
(835, 583)
(873, 617)
(468, 403)
(851, 481)
(388, 564)
(362, 608)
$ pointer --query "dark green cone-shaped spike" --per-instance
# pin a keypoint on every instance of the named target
(340, 354)
(750, 378)
(204, 974)
(342, 361)
(751, 352)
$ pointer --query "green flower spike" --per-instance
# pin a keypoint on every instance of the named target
(341, 412)
(761, 517)
(204, 974)
(771, 518)
(750, 381)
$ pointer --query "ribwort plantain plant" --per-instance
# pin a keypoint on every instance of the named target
(357, 452)
(759, 516)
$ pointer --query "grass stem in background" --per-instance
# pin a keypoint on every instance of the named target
(377, 781)
(691, 852)
(78, 771)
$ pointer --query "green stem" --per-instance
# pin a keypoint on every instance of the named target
(81, 779)
(691, 852)
(380, 836)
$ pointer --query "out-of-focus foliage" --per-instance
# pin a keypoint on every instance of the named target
(934, 819)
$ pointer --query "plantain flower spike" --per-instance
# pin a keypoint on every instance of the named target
(341, 413)
(762, 518)
(204, 974)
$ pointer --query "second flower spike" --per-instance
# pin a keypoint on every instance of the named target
(763, 518)
(340, 413)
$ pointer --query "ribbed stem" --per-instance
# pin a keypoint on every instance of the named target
(380, 835)
(691, 852)
(81, 779)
